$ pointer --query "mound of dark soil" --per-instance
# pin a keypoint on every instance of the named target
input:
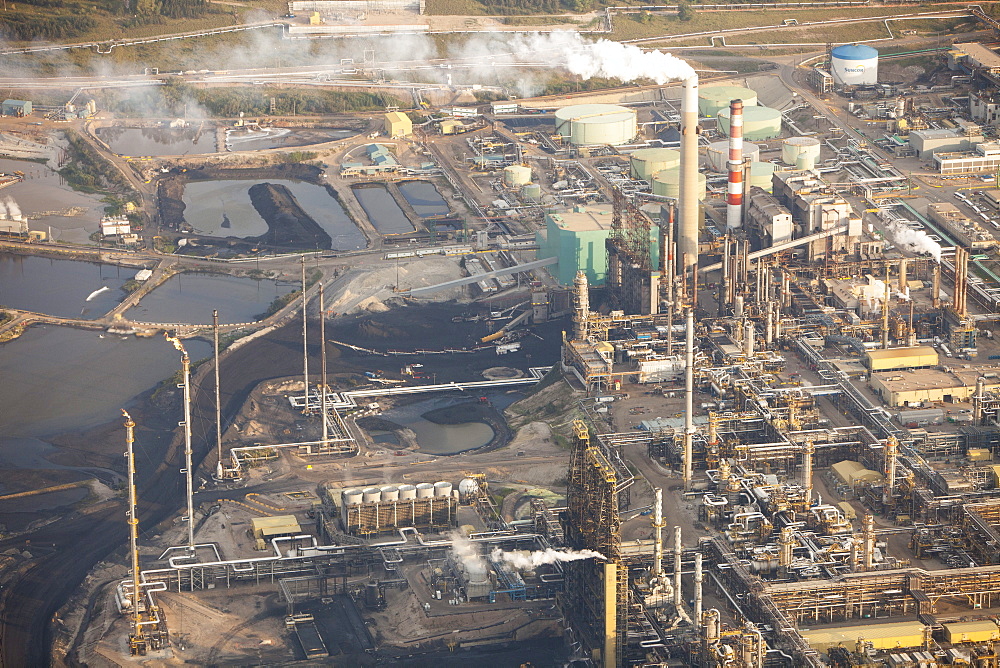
(287, 223)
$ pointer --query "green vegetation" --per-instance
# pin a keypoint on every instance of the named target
(282, 301)
(300, 156)
(88, 171)
(176, 98)
(539, 20)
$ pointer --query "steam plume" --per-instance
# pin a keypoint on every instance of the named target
(13, 210)
(914, 240)
(527, 560)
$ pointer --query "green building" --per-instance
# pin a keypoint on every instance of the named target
(578, 239)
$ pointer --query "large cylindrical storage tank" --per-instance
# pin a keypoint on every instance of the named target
(425, 490)
(372, 495)
(718, 154)
(531, 192)
(647, 161)
(352, 497)
(442, 488)
(390, 493)
(407, 492)
(800, 149)
(760, 174)
(854, 65)
(759, 123)
(515, 176)
(590, 124)
(668, 184)
(713, 99)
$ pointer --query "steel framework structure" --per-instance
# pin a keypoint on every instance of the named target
(597, 592)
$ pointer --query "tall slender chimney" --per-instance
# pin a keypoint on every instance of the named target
(687, 246)
(734, 196)
(689, 428)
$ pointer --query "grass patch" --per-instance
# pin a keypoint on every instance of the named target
(455, 8)
(540, 20)
(88, 171)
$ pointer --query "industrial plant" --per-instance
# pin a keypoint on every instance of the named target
(698, 370)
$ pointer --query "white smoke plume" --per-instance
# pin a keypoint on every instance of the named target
(528, 560)
(13, 210)
(917, 241)
(466, 551)
(3, 211)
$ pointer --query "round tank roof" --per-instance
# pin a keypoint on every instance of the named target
(854, 52)
(759, 123)
(594, 113)
(727, 93)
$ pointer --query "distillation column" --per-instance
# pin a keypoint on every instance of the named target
(891, 446)
(678, 551)
(581, 311)
(807, 469)
(698, 579)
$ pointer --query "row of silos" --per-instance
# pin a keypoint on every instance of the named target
(388, 493)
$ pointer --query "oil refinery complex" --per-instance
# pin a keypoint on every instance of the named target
(765, 433)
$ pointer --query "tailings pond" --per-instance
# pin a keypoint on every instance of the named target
(443, 439)
(424, 198)
(382, 210)
(49, 204)
(158, 141)
(224, 209)
(66, 288)
(58, 378)
(190, 298)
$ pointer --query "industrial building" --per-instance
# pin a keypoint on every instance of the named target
(397, 124)
(15, 108)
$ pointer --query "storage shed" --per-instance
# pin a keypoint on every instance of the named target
(852, 473)
(981, 631)
(398, 124)
(901, 358)
(16, 108)
(895, 635)
(265, 528)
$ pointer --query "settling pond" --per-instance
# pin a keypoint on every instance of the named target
(424, 198)
(65, 288)
(223, 209)
(191, 298)
(259, 140)
(158, 141)
(382, 210)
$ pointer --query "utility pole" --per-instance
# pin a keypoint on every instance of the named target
(322, 361)
(305, 343)
(218, 400)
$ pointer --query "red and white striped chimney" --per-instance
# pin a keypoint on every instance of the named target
(734, 193)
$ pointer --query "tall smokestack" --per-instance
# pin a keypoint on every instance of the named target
(687, 245)
(734, 196)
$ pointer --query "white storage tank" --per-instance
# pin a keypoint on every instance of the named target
(352, 497)
(759, 123)
(407, 492)
(854, 65)
(515, 176)
(425, 490)
(468, 487)
(442, 488)
(390, 493)
(800, 150)
(718, 154)
(591, 124)
(372, 495)
(531, 192)
(668, 184)
(760, 174)
(713, 99)
(647, 161)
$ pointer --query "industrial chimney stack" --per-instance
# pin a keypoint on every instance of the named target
(688, 205)
(734, 193)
